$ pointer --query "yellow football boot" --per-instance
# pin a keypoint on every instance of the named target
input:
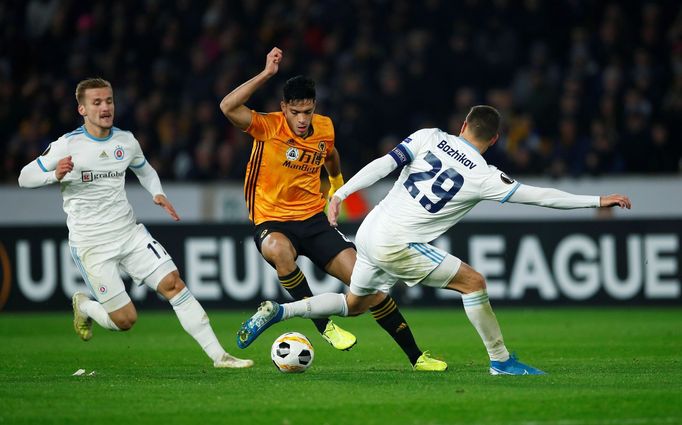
(339, 338)
(426, 363)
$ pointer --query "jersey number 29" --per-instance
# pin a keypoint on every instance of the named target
(437, 187)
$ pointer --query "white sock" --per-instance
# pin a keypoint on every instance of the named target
(194, 320)
(94, 310)
(480, 313)
(317, 307)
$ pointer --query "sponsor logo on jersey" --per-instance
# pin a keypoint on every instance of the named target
(103, 155)
(89, 175)
(292, 154)
(322, 146)
(300, 167)
(102, 289)
(119, 153)
(407, 140)
(505, 178)
(303, 160)
(456, 154)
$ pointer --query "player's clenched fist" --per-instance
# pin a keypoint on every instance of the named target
(272, 61)
(65, 165)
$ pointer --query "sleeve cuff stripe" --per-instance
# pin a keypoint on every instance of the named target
(40, 164)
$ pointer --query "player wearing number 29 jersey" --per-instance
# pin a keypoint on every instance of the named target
(443, 177)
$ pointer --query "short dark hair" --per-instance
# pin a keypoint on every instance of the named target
(299, 88)
(484, 122)
(90, 83)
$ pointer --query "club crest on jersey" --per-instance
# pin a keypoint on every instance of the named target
(119, 153)
(292, 154)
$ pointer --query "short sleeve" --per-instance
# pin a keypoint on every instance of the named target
(55, 151)
(263, 126)
(497, 186)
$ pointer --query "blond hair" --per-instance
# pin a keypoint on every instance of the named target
(90, 83)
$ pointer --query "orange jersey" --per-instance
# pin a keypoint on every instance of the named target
(283, 175)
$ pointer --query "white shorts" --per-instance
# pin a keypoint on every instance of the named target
(139, 255)
(379, 267)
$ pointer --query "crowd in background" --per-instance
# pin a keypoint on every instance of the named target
(585, 87)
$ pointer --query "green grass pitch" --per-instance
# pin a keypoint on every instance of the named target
(606, 366)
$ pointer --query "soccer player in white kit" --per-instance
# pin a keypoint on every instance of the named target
(443, 177)
(90, 165)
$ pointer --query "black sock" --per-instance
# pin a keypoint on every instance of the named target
(297, 286)
(387, 315)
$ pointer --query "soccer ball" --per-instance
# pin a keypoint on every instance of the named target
(292, 353)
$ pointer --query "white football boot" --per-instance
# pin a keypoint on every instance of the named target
(232, 362)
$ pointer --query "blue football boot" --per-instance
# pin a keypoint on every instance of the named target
(268, 314)
(513, 367)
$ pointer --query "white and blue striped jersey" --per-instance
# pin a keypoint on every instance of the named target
(93, 193)
(443, 177)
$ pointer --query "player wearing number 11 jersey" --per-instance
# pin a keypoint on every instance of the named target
(90, 166)
(443, 177)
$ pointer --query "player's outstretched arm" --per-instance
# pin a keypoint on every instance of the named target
(554, 198)
(615, 200)
(34, 175)
(232, 105)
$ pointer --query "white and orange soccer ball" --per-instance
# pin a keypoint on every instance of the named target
(292, 353)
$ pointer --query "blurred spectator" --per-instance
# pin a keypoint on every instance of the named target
(585, 86)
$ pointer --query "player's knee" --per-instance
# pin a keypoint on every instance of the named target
(171, 285)
(477, 282)
(278, 252)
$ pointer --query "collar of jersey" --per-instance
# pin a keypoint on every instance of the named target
(97, 139)
(469, 143)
